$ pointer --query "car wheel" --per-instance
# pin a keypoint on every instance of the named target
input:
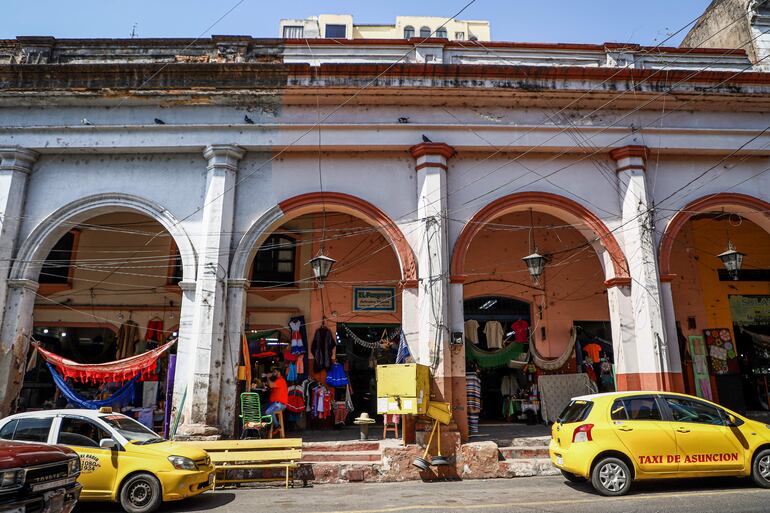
(760, 471)
(572, 478)
(611, 476)
(140, 494)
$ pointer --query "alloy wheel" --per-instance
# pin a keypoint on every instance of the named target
(764, 467)
(613, 477)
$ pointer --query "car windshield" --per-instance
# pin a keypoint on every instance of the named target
(131, 430)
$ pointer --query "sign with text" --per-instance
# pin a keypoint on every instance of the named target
(374, 299)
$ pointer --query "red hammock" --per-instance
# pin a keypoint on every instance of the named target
(116, 372)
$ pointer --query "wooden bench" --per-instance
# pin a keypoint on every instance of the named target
(276, 453)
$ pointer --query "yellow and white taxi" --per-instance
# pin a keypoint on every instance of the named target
(121, 459)
(615, 438)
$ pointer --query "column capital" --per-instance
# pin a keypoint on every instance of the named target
(223, 156)
(630, 157)
(188, 286)
(16, 158)
(30, 285)
(430, 148)
(238, 283)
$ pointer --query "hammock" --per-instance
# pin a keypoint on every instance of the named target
(142, 365)
(122, 395)
(492, 359)
(554, 363)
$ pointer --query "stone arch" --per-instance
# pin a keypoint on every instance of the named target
(759, 214)
(334, 201)
(34, 250)
(554, 204)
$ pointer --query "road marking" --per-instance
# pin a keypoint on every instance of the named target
(497, 505)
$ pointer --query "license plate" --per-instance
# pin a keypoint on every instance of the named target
(52, 484)
(559, 460)
(56, 502)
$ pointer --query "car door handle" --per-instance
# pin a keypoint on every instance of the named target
(626, 428)
(682, 430)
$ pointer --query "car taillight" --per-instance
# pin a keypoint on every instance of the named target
(582, 433)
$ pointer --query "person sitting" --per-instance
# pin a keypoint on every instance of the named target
(279, 395)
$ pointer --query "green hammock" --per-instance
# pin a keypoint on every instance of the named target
(492, 359)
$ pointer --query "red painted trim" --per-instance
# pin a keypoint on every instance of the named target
(617, 282)
(409, 284)
(506, 204)
(458, 279)
(626, 168)
(629, 151)
(431, 164)
(701, 205)
(667, 278)
(653, 381)
(422, 149)
(315, 201)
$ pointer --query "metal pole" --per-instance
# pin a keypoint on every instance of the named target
(169, 393)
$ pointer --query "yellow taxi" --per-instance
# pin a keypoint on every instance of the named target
(121, 459)
(615, 438)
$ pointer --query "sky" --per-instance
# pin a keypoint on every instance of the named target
(578, 21)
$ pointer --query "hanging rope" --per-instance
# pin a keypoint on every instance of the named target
(553, 363)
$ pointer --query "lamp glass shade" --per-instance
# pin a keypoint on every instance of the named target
(732, 260)
(535, 265)
(322, 266)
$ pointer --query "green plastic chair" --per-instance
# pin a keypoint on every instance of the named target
(251, 414)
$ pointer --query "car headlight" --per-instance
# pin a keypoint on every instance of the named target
(182, 463)
(74, 466)
(11, 479)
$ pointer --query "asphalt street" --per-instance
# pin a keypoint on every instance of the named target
(536, 494)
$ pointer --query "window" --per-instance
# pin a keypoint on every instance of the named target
(408, 32)
(459, 36)
(293, 31)
(80, 432)
(336, 31)
(274, 262)
(424, 32)
(7, 432)
(686, 410)
(33, 430)
(130, 429)
(635, 408)
(56, 268)
(576, 411)
(441, 33)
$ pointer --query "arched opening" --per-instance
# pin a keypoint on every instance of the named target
(722, 320)
(408, 32)
(441, 33)
(563, 318)
(108, 290)
(315, 334)
(425, 32)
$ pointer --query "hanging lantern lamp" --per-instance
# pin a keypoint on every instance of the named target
(732, 260)
(535, 265)
(322, 266)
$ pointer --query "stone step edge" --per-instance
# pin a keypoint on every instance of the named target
(530, 441)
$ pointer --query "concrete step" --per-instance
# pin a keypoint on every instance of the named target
(340, 456)
(531, 441)
(351, 446)
(527, 468)
(524, 452)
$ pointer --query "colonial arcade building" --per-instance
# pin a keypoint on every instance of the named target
(173, 189)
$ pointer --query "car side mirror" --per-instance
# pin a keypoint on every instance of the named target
(107, 443)
(732, 421)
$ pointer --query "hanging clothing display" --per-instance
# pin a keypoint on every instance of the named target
(296, 401)
(403, 353)
(154, 330)
(471, 329)
(493, 359)
(494, 332)
(520, 331)
(297, 342)
(323, 349)
(508, 385)
(473, 393)
(594, 351)
(128, 336)
(337, 377)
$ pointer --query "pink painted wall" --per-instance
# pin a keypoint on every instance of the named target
(574, 280)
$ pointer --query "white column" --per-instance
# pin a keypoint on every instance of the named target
(15, 168)
(14, 340)
(432, 256)
(236, 316)
(202, 376)
(652, 349)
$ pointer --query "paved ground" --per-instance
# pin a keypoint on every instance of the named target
(536, 494)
